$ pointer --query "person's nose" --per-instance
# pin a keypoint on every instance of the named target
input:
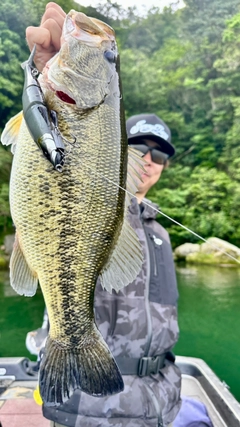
(148, 157)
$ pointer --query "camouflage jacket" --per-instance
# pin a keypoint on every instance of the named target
(140, 320)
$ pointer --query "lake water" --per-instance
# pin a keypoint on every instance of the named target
(209, 319)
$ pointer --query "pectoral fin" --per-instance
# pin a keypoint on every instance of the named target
(126, 259)
(11, 131)
(135, 167)
(22, 279)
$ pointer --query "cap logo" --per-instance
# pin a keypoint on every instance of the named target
(144, 127)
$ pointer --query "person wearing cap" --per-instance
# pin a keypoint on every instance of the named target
(139, 323)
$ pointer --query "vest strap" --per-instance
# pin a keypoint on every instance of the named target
(142, 367)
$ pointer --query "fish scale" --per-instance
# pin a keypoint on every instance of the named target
(72, 227)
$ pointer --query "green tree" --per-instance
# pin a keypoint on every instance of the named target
(14, 18)
(229, 66)
(206, 201)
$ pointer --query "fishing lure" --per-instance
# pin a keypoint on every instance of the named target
(42, 123)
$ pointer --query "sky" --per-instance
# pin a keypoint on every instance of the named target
(140, 4)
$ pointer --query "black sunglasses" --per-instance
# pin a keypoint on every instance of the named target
(157, 155)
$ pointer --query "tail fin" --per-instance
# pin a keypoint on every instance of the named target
(89, 367)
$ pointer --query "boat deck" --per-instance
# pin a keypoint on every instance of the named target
(201, 383)
(18, 408)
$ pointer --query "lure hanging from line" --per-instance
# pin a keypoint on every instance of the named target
(42, 123)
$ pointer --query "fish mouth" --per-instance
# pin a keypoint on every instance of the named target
(90, 31)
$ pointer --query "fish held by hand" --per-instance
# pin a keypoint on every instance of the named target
(72, 228)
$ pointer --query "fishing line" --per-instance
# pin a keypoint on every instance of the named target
(165, 215)
(160, 212)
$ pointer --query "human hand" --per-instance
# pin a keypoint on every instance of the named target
(47, 36)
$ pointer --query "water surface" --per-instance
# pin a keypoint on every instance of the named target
(209, 319)
(18, 315)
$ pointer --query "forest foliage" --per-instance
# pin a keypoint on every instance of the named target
(181, 64)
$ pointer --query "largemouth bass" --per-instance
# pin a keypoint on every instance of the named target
(72, 227)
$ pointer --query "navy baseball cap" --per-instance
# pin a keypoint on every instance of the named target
(149, 126)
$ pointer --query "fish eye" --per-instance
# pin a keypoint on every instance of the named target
(110, 56)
